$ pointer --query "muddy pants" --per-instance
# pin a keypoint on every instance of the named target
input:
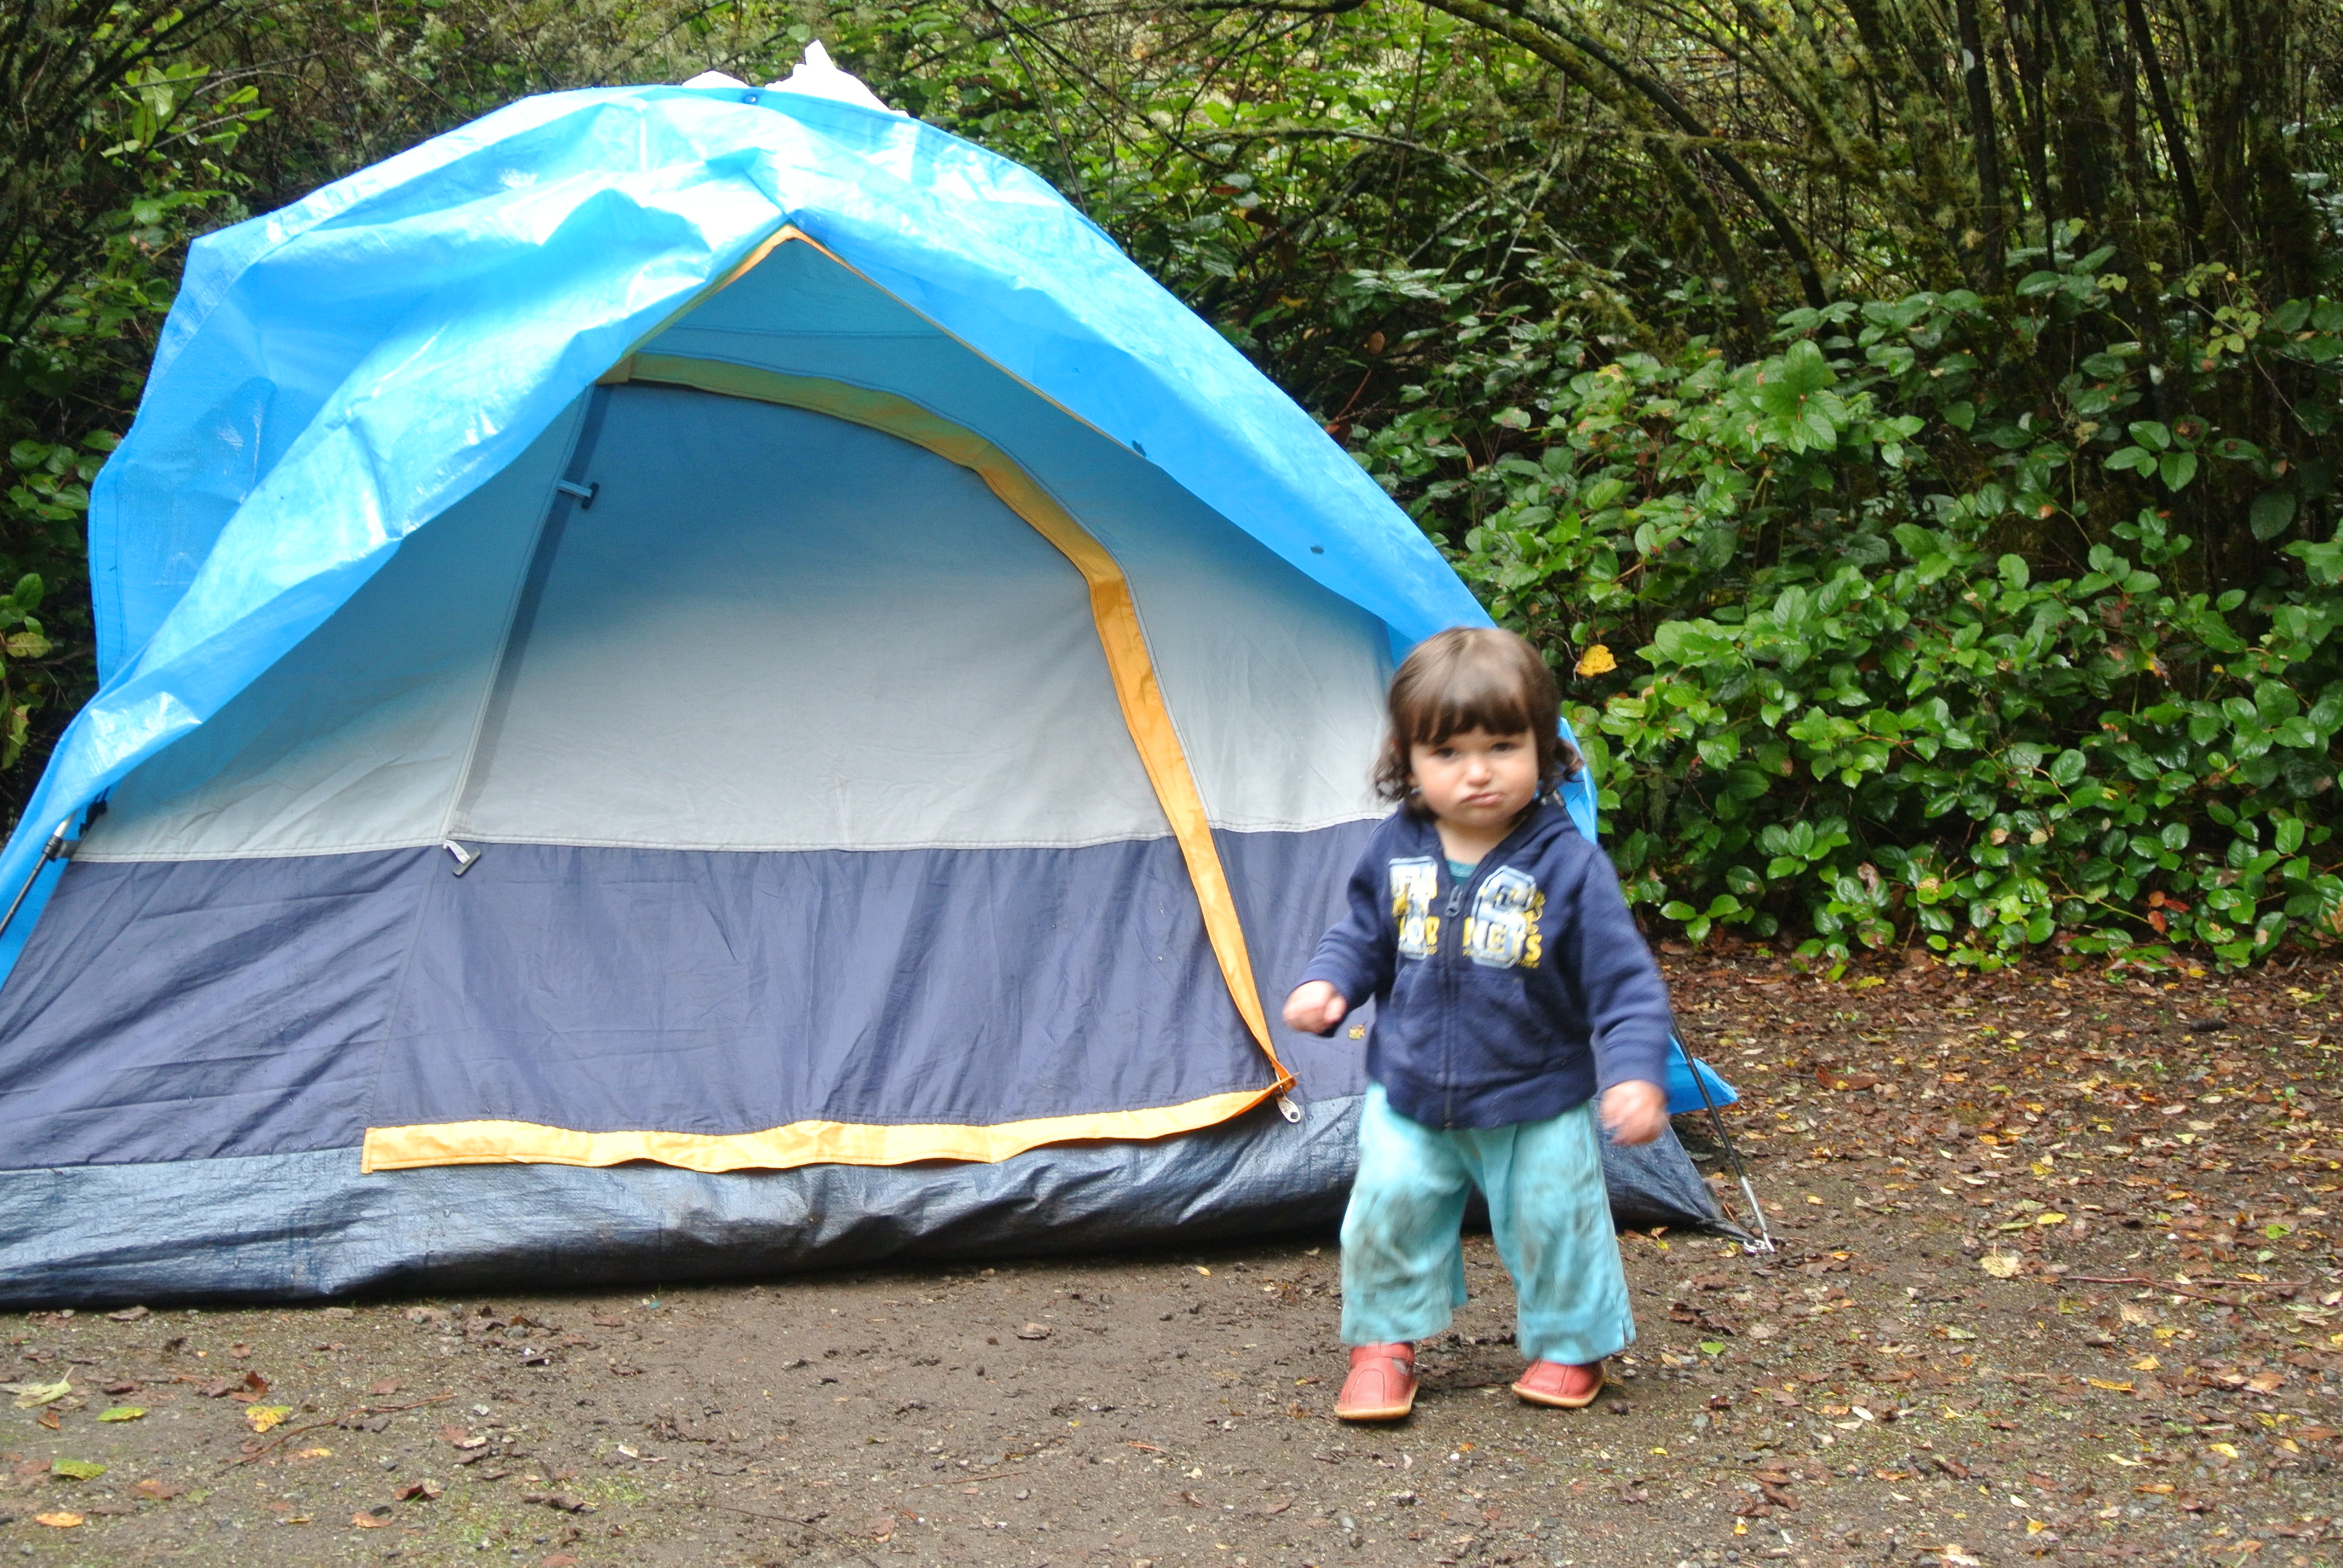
(1403, 1259)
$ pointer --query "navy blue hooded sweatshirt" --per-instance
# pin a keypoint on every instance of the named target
(1511, 997)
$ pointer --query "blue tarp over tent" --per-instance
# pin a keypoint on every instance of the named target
(695, 388)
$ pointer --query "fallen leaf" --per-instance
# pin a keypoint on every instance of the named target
(2049, 1219)
(29, 1395)
(427, 1490)
(2002, 1265)
(128, 1315)
(57, 1521)
(374, 1519)
(78, 1469)
(265, 1416)
(2110, 1387)
(160, 1491)
(383, 1388)
(1035, 1331)
(121, 1412)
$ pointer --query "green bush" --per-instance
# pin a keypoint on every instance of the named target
(1952, 624)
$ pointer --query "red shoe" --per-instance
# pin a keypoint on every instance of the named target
(1563, 1387)
(1381, 1384)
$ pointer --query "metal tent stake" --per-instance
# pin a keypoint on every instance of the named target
(1765, 1242)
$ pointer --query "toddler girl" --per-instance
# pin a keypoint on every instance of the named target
(1512, 989)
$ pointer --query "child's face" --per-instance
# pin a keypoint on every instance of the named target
(1476, 779)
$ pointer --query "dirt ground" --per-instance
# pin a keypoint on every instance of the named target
(2058, 1280)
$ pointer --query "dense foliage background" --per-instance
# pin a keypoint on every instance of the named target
(1910, 426)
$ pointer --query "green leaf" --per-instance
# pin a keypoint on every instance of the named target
(2177, 468)
(77, 1469)
(122, 1413)
(2272, 515)
(2067, 767)
(2174, 836)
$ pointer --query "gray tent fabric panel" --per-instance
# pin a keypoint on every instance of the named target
(204, 1009)
(1274, 683)
(774, 629)
(1655, 1184)
(358, 739)
(1289, 888)
(310, 1225)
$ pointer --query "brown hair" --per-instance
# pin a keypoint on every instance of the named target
(1472, 677)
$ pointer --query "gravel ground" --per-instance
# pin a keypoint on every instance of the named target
(2058, 1280)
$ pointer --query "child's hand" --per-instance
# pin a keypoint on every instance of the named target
(1633, 1112)
(1314, 1008)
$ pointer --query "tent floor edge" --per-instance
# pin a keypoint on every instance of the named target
(311, 1226)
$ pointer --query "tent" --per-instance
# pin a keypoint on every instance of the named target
(695, 680)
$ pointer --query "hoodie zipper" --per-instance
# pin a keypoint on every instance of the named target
(1449, 948)
(1450, 941)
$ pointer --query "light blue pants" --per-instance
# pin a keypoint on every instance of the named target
(1403, 1255)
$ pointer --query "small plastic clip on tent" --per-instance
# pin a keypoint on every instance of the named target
(1763, 1243)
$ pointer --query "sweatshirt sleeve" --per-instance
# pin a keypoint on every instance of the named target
(1357, 955)
(1626, 1002)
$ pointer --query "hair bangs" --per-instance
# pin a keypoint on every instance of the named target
(1478, 694)
(1465, 678)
